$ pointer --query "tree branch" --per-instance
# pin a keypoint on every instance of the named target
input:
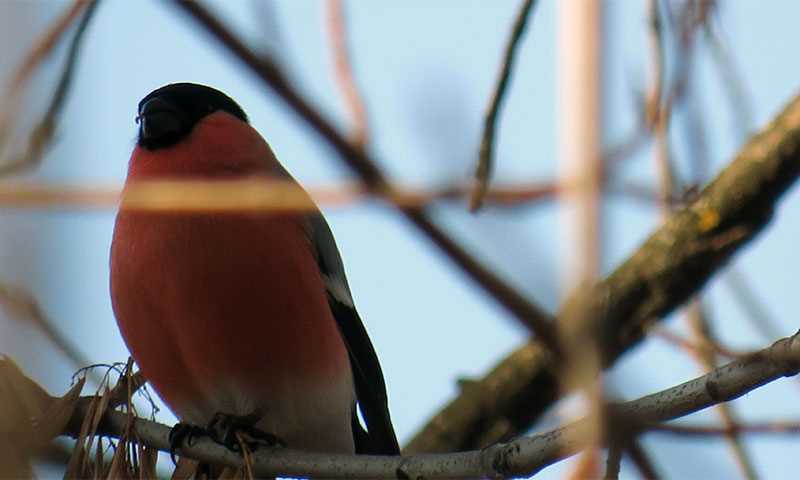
(522, 457)
(42, 134)
(486, 152)
(676, 261)
(344, 76)
(523, 309)
(14, 94)
(22, 304)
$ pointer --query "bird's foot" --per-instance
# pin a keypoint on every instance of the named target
(183, 434)
(234, 430)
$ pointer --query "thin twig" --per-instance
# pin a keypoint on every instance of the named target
(659, 115)
(613, 461)
(769, 428)
(743, 292)
(649, 113)
(125, 388)
(262, 195)
(633, 141)
(744, 295)
(42, 133)
(655, 36)
(343, 74)
(733, 82)
(21, 303)
(697, 348)
(522, 308)
(641, 460)
(36, 55)
(701, 328)
(483, 169)
(281, 195)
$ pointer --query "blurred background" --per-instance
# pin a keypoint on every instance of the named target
(426, 71)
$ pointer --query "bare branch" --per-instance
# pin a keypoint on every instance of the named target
(483, 169)
(701, 328)
(258, 195)
(522, 457)
(43, 132)
(613, 462)
(22, 304)
(523, 309)
(280, 195)
(699, 322)
(343, 74)
(657, 69)
(16, 89)
(659, 115)
(675, 262)
(641, 460)
(744, 295)
(733, 82)
(698, 348)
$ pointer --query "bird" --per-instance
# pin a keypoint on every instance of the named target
(240, 315)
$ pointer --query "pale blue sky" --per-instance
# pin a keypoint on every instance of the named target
(426, 69)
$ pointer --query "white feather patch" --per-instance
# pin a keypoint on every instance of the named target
(337, 288)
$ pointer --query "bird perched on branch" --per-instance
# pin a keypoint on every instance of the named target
(242, 318)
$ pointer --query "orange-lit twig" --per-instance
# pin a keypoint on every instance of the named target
(276, 194)
(343, 74)
(695, 348)
(246, 195)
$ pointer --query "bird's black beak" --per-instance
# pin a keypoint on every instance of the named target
(160, 123)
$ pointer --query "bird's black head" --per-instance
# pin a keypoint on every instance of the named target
(169, 114)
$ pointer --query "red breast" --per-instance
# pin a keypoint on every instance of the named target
(205, 298)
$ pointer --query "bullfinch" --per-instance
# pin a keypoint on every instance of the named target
(243, 314)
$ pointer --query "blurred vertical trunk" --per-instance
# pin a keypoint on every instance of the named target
(579, 90)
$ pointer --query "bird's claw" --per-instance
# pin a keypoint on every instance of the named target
(223, 429)
(183, 434)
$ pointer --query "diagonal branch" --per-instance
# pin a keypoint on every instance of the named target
(701, 328)
(523, 309)
(675, 262)
(43, 132)
(642, 461)
(21, 303)
(14, 94)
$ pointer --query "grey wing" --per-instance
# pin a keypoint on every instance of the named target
(379, 436)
